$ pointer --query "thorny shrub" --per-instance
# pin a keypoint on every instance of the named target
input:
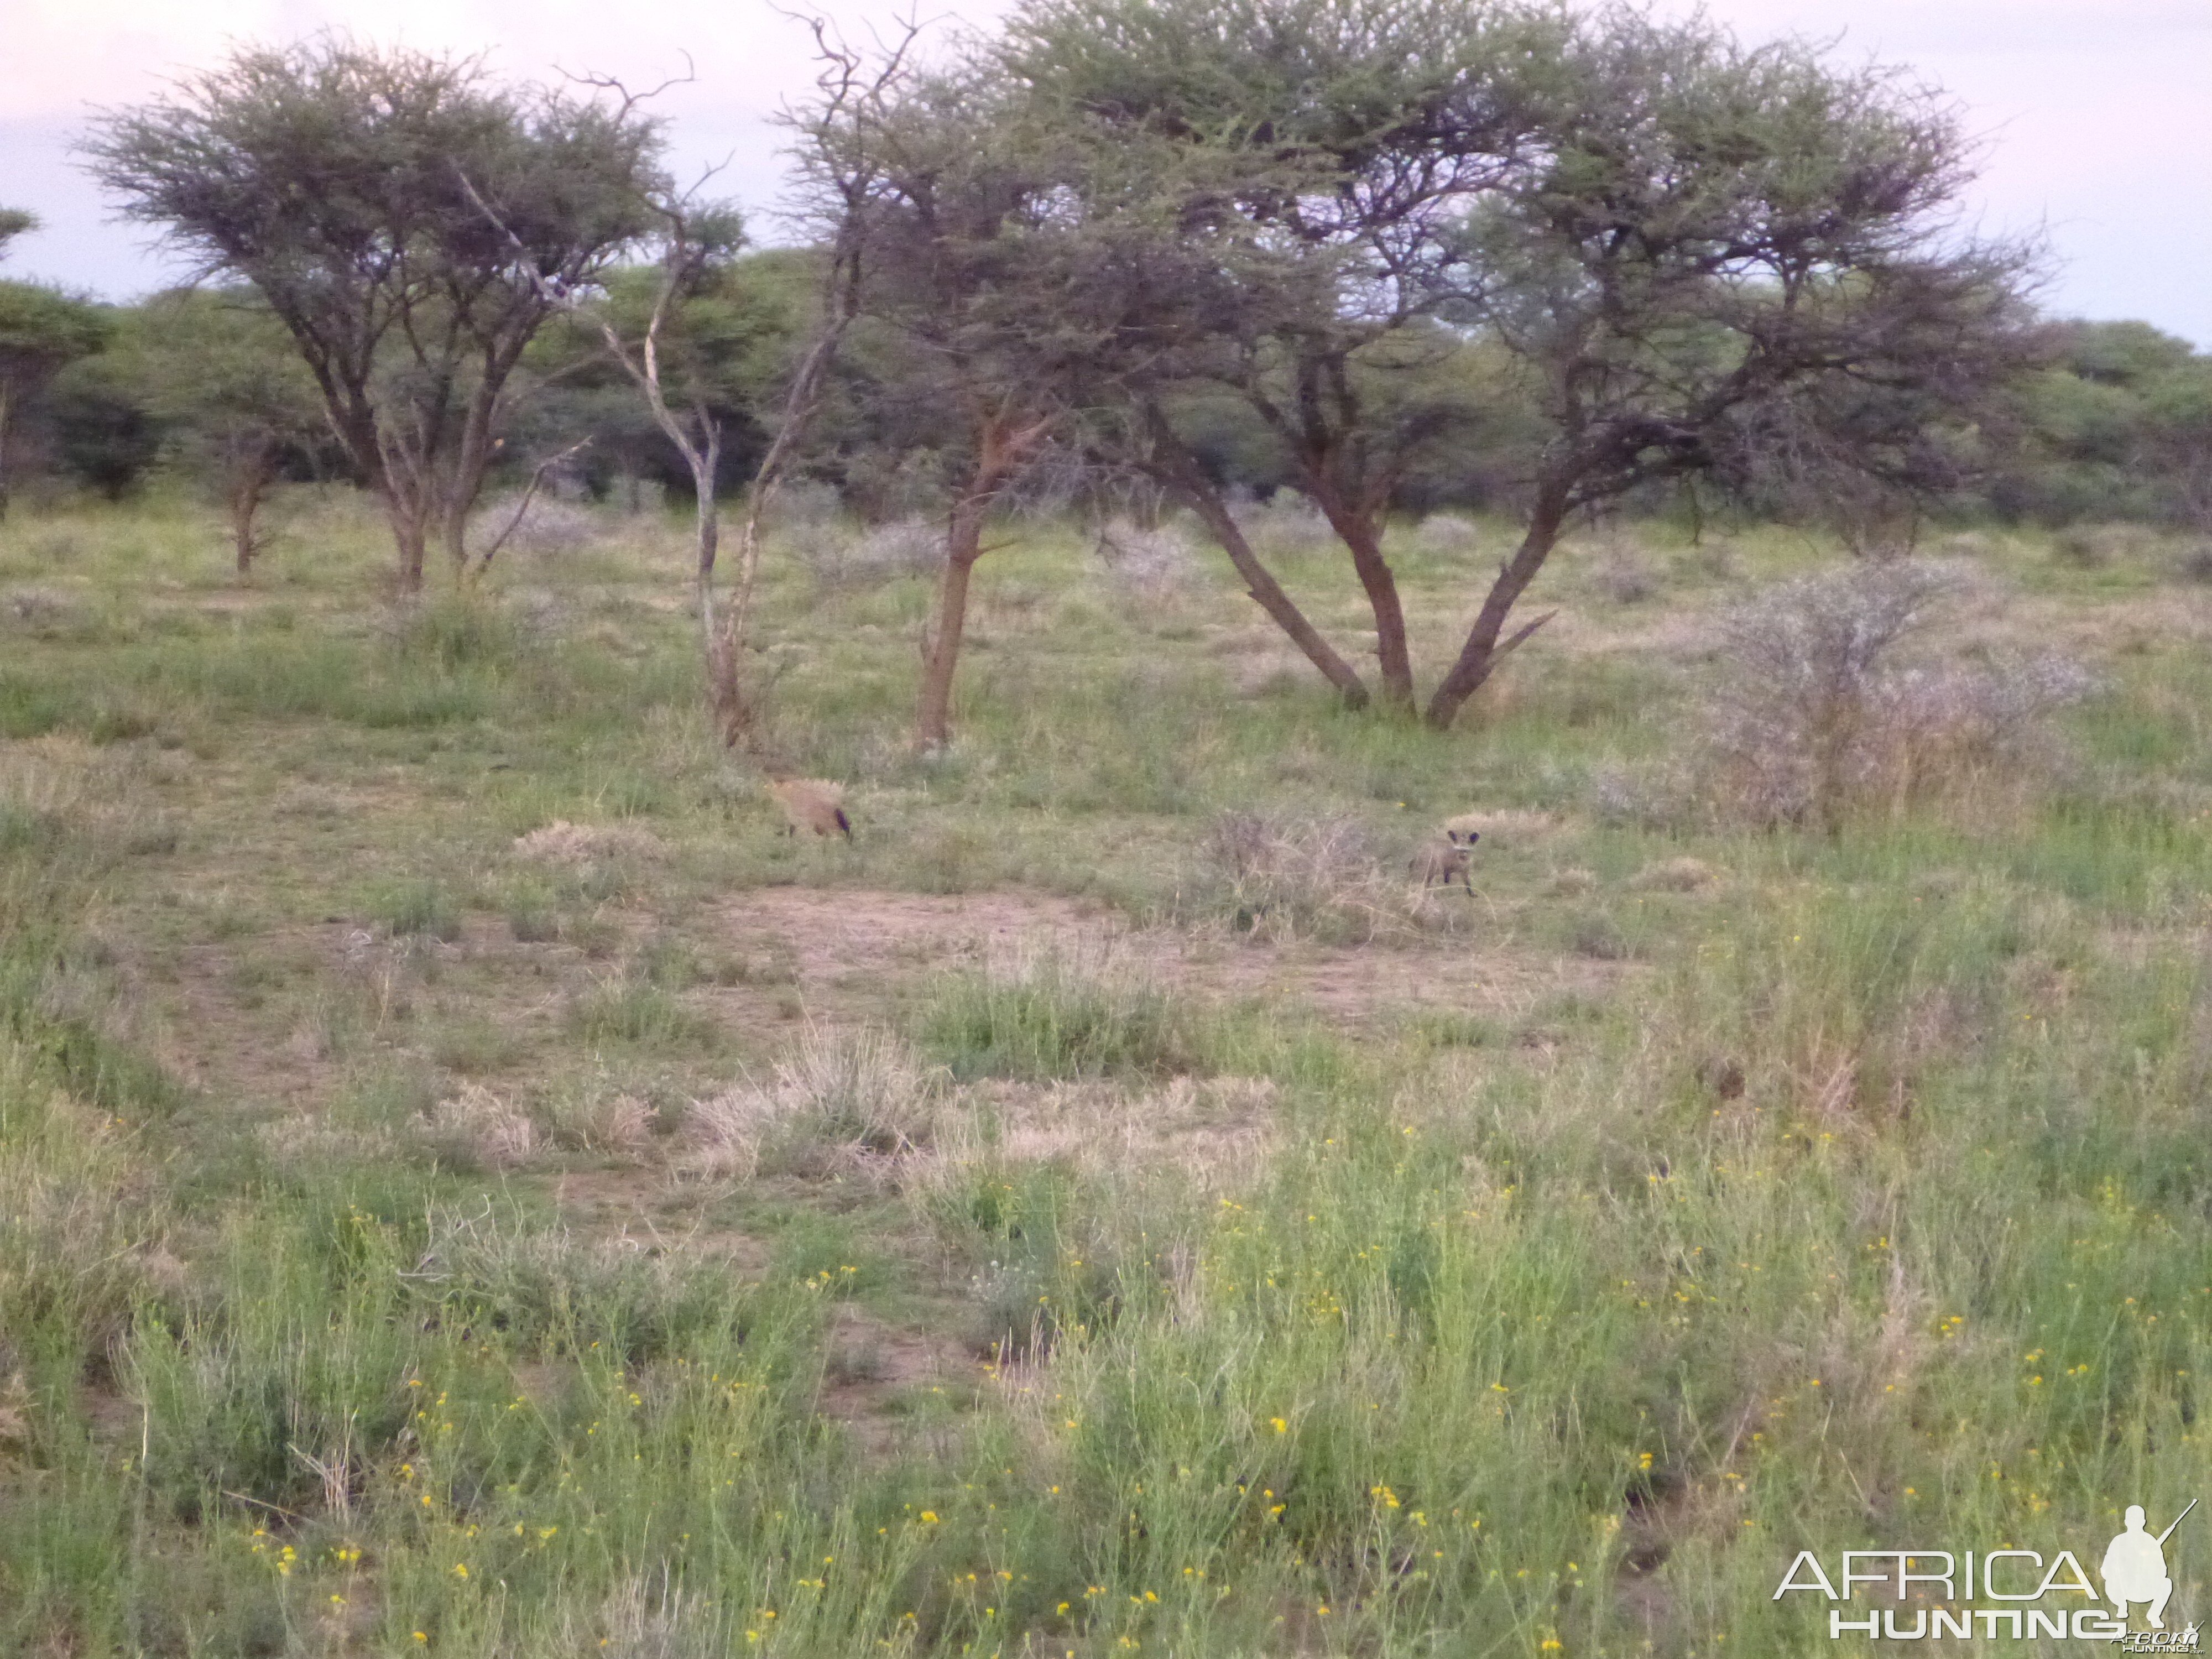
(1446, 532)
(1322, 877)
(1825, 712)
(1153, 562)
(843, 1097)
(1287, 523)
(839, 556)
(549, 527)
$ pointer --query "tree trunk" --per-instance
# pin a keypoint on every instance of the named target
(1172, 464)
(717, 637)
(453, 530)
(249, 488)
(1001, 450)
(963, 545)
(457, 494)
(409, 534)
(4, 476)
(1482, 653)
(1361, 533)
(472, 457)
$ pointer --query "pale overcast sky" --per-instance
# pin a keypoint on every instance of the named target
(2099, 112)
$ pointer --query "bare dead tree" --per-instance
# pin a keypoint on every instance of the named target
(539, 474)
(840, 150)
(695, 238)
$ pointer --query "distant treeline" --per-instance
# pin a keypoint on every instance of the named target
(203, 388)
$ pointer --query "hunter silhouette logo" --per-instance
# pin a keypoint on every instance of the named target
(2135, 1566)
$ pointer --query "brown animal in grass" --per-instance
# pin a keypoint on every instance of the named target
(811, 805)
(1440, 861)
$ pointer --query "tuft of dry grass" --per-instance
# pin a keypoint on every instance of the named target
(575, 845)
(1210, 1131)
(1321, 877)
(600, 1119)
(480, 1125)
(859, 1098)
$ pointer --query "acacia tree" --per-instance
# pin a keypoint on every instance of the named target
(217, 369)
(345, 183)
(1672, 236)
(1716, 242)
(1323, 152)
(966, 253)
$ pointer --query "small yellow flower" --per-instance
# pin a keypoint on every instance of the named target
(1281, 1427)
(929, 1517)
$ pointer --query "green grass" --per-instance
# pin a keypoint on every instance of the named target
(1549, 1273)
(1055, 1018)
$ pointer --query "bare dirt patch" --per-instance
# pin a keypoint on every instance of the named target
(851, 947)
(645, 1210)
(874, 1371)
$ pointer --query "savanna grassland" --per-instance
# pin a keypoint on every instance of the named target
(471, 1185)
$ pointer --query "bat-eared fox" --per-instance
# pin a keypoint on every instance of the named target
(811, 805)
(1448, 855)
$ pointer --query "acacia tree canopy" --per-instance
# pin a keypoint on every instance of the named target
(1329, 147)
(1717, 247)
(349, 186)
(1689, 245)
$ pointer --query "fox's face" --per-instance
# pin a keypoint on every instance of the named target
(1464, 838)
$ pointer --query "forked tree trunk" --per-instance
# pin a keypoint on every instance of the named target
(1483, 649)
(472, 456)
(1180, 475)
